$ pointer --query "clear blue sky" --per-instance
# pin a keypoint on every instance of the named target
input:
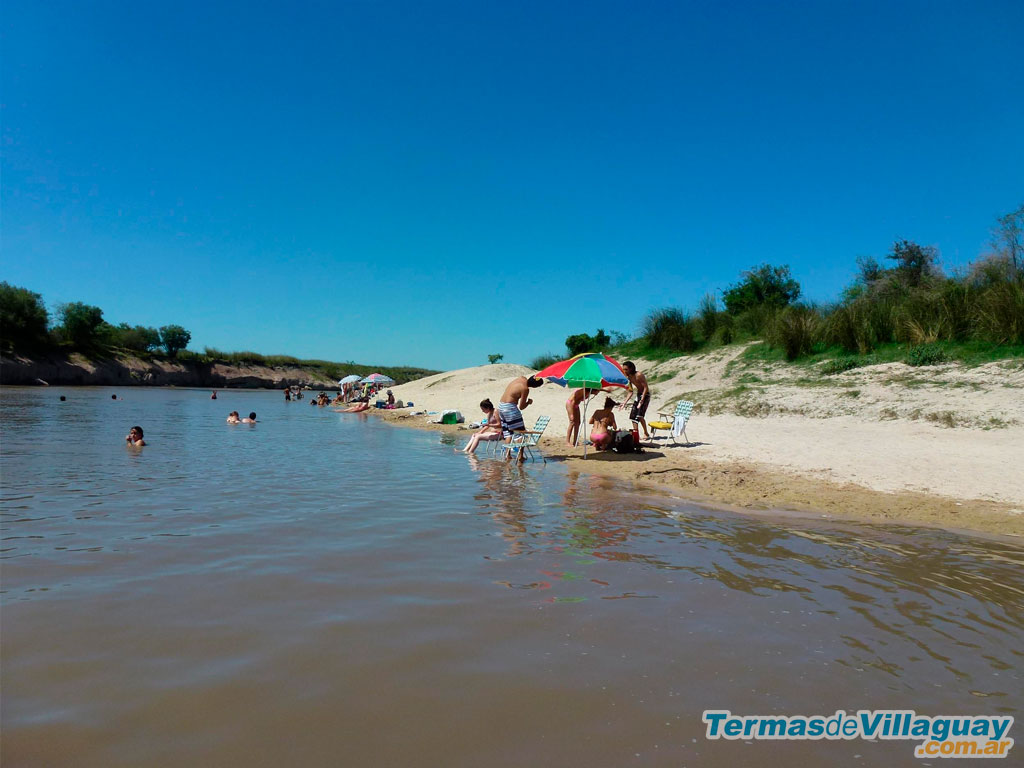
(428, 182)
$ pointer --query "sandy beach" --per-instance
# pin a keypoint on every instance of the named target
(939, 446)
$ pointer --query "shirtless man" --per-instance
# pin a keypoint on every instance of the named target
(512, 403)
(250, 419)
(643, 396)
(603, 431)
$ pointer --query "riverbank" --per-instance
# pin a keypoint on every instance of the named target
(931, 447)
(120, 370)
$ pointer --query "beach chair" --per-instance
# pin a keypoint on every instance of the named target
(524, 441)
(683, 410)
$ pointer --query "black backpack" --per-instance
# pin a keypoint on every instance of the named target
(624, 443)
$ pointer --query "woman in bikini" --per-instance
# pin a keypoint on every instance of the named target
(572, 408)
(489, 431)
(603, 422)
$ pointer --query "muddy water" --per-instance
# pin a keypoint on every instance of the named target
(323, 589)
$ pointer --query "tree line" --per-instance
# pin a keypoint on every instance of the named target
(25, 327)
(904, 299)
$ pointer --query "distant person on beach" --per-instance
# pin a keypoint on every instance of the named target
(515, 398)
(134, 438)
(251, 418)
(233, 418)
(391, 399)
(603, 421)
(362, 405)
(572, 408)
(638, 386)
(491, 430)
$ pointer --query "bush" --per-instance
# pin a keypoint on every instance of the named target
(670, 329)
(708, 315)
(925, 354)
(859, 325)
(23, 319)
(763, 286)
(794, 330)
(541, 362)
(726, 328)
(492, 359)
(841, 364)
(998, 313)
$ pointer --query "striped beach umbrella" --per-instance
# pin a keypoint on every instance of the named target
(591, 370)
(378, 378)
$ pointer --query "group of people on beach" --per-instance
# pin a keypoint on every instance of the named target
(502, 422)
(602, 421)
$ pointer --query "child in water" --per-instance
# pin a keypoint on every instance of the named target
(233, 418)
(134, 438)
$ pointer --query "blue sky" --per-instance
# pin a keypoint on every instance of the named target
(428, 183)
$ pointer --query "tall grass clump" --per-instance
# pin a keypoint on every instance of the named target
(541, 362)
(670, 328)
(794, 330)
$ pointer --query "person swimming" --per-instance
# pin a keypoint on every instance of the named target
(233, 418)
(603, 431)
(134, 437)
(250, 419)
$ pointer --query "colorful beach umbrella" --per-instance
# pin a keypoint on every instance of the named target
(591, 370)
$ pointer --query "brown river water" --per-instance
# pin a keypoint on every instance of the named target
(327, 590)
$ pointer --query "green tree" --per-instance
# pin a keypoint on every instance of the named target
(81, 324)
(914, 263)
(23, 319)
(137, 339)
(579, 343)
(174, 338)
(492, 359)
(763, 286)
(1008, 238)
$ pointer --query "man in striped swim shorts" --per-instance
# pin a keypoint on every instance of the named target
(512, 403)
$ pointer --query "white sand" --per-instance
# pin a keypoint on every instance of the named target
(891, 435)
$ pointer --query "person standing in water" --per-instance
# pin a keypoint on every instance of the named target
(515, 398)
(134, 438)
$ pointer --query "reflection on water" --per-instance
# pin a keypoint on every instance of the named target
(321, 585)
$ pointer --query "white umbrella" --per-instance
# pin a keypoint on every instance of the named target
(348, 379)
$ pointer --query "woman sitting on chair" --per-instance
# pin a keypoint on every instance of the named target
(489, 431)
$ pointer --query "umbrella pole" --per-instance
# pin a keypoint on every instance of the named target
(583, 426)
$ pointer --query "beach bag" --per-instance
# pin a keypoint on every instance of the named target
(623, 442)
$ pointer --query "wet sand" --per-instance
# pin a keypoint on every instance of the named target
(751, 487)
